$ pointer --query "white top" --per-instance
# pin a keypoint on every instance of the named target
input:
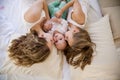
(62, 28)
(84, 6)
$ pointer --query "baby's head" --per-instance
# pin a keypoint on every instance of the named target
(59, 40)
(47, 26)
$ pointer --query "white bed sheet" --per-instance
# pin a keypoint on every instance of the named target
(118, 51)
(11, 20)
(95, 5)
(10, 13)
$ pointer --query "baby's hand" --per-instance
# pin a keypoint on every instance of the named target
(58, 14)
(55, 19)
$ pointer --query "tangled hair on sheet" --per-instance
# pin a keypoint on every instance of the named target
(80, 53)
(29, 49)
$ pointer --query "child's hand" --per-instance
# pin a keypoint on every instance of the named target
(58, 14)
(54, 19)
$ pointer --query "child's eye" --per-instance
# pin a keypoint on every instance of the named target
(60, 38)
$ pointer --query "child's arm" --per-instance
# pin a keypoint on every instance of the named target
(52, 7)
(45, 8)
(57, 20)
(60, 12)
(38, 27)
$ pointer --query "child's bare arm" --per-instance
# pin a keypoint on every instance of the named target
(42, 21)
(55, 19)
(38, 27)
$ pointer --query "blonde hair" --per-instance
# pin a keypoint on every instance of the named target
(29, 49)
(80, 53)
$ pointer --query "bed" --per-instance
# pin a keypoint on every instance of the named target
(105, 65)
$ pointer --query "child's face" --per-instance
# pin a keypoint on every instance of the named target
(59, 41)
(47, 26)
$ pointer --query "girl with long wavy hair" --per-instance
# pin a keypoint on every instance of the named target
(80, 47)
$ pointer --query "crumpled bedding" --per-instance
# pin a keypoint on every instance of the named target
(10, 23)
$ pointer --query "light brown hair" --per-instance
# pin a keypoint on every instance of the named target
(29, 49)
(80, 53)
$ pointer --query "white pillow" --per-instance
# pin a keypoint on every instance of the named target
(105, 64)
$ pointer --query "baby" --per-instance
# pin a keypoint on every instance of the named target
(57, 27)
